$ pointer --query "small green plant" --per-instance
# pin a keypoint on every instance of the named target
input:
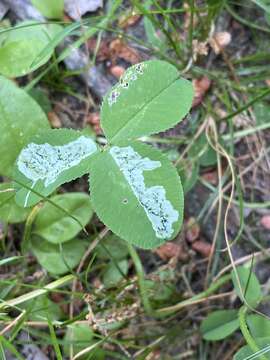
(134, 189)
(255, 328)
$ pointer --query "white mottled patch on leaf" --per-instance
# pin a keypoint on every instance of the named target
(46, 162)
(125, 81)
(158, 209)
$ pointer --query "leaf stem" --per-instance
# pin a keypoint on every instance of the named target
(141, 280)
(245, 331)
(28, 227)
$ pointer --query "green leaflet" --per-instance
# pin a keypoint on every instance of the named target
(10, 212)
(251, 288)
(20, 119)
(112, 247)
(57, 226)
(246, 353)
(50, 160)
(258, 325)
(23, 45)
(137, 193)
(52, 9)
(39, 308)
(150, 97)
(81, 336)
(219, 324)
(58, 260)
(112, 276)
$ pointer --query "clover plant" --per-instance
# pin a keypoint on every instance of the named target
(255, 328)
(134, 188)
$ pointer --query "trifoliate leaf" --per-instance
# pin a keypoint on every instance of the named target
(49, 160)
(149, 98)
(137, 193)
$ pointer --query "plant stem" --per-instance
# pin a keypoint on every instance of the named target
(196, 298)
(140, 273)
(245, 331)
(163, 312)
(28, 227)
(33, 294)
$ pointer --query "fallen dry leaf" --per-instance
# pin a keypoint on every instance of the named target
(118, 49)
(94, 120)
(154, 355)
(202, 247)
(199, 48)
(219, 41)
(267, 81)
(103, 51)
(54, 120)
(114, 50)
(265, 221)
(187, 17)
(211, 177)
(171, 250)
(200, 86)
(193, 230)
(117, 71)
(126, 21)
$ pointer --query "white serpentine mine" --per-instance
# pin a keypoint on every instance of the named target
(46, 162)
(158, 209)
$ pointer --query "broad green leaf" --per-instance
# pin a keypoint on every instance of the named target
(23, 45)
(112, 247)
(245, 353)
(56, 226)
(137, 193)
(82, 336)
(50, 160)
(58, 259)
(258, 325)
(155, 37)
(10, 259)
(262, 113)
(52, 9)
(162, 289)
(250, 286)
(264, 4)
(10, 212)
(202, 151)
(150, 97)
(219, 324)
(20, 119)
(41, 98)
(189, 174)
(112, 276)
(39, 308)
